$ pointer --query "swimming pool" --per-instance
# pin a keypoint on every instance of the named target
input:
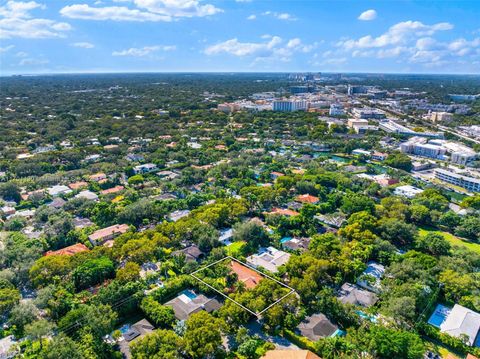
(285, 239)
(366, 316)
(339, 333)
(124, 328)
(190, 294)
(439, 315)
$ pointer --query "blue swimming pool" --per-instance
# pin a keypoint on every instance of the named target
(285, 239)
(439, 315)
(125, 328)
(366, 316)
(338, 333)
(190, 294)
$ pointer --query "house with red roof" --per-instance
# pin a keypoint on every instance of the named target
(69, 251)
(307, 198)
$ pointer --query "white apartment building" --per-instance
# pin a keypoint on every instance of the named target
(438, 149)
(336, 109)
(289, 105)
(464, 180)
(440, 116)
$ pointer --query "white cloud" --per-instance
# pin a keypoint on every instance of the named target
(397, 34)
(413, 42)
(252, 17)
(274, 48)
(280, 16)
(6, 48)
(285, 16)
(368, 15)
(462, 47)
(33, 62)
(178, 8)
(426, 43)
(146, 10)
(143, 51)
(114, 13)
(83, 45)
(16, 21)
(21, 54)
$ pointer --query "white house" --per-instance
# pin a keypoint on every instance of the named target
(407, 191)
(462, 322)
(58, 190)
(145, 168)
(87, 195)
(371, 277)
(269, 258)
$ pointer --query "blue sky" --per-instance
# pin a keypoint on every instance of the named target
(44, 36)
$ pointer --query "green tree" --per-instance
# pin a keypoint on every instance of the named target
(433, 243)
(468, 228)
(96, 319)
(130, 272)
(161, 344)
(160, 315)
(61, 347)
(456, 285)
(396, 231)
(92, 271)
(23, 314)
(251, 232)
(136, 180)
(38, 330)
(49, 269)
(9, 296)
(356, 202)
(203, 335)
(10, 192)
(399, 160)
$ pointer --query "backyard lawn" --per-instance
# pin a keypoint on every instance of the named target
(454, 240)
(236, 248)
(439, 349)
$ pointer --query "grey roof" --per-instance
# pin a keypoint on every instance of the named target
(142, 327)
(183, 309)
(297, 244)
(7, 350)
(57, 202)
(351, 294)
(136, 331)
(462, 321)
(317, 326)
(192, 253)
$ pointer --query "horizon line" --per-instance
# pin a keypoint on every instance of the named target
(32, 74)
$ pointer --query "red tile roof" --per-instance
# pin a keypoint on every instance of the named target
(306, 198)
(283, 212)
(112, 190)
(246, 275)
(109, 231)
(69, 251)
(77, 185)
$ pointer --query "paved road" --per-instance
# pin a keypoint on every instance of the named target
(280, 343)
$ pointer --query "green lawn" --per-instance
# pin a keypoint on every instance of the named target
(236, 248)
(438, 348)
(454, 240)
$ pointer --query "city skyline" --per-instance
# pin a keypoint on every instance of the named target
(78, 36)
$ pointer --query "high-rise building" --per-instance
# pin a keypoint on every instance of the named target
(289, 105)
(355, 89)
(336, 109)
(440, 116)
